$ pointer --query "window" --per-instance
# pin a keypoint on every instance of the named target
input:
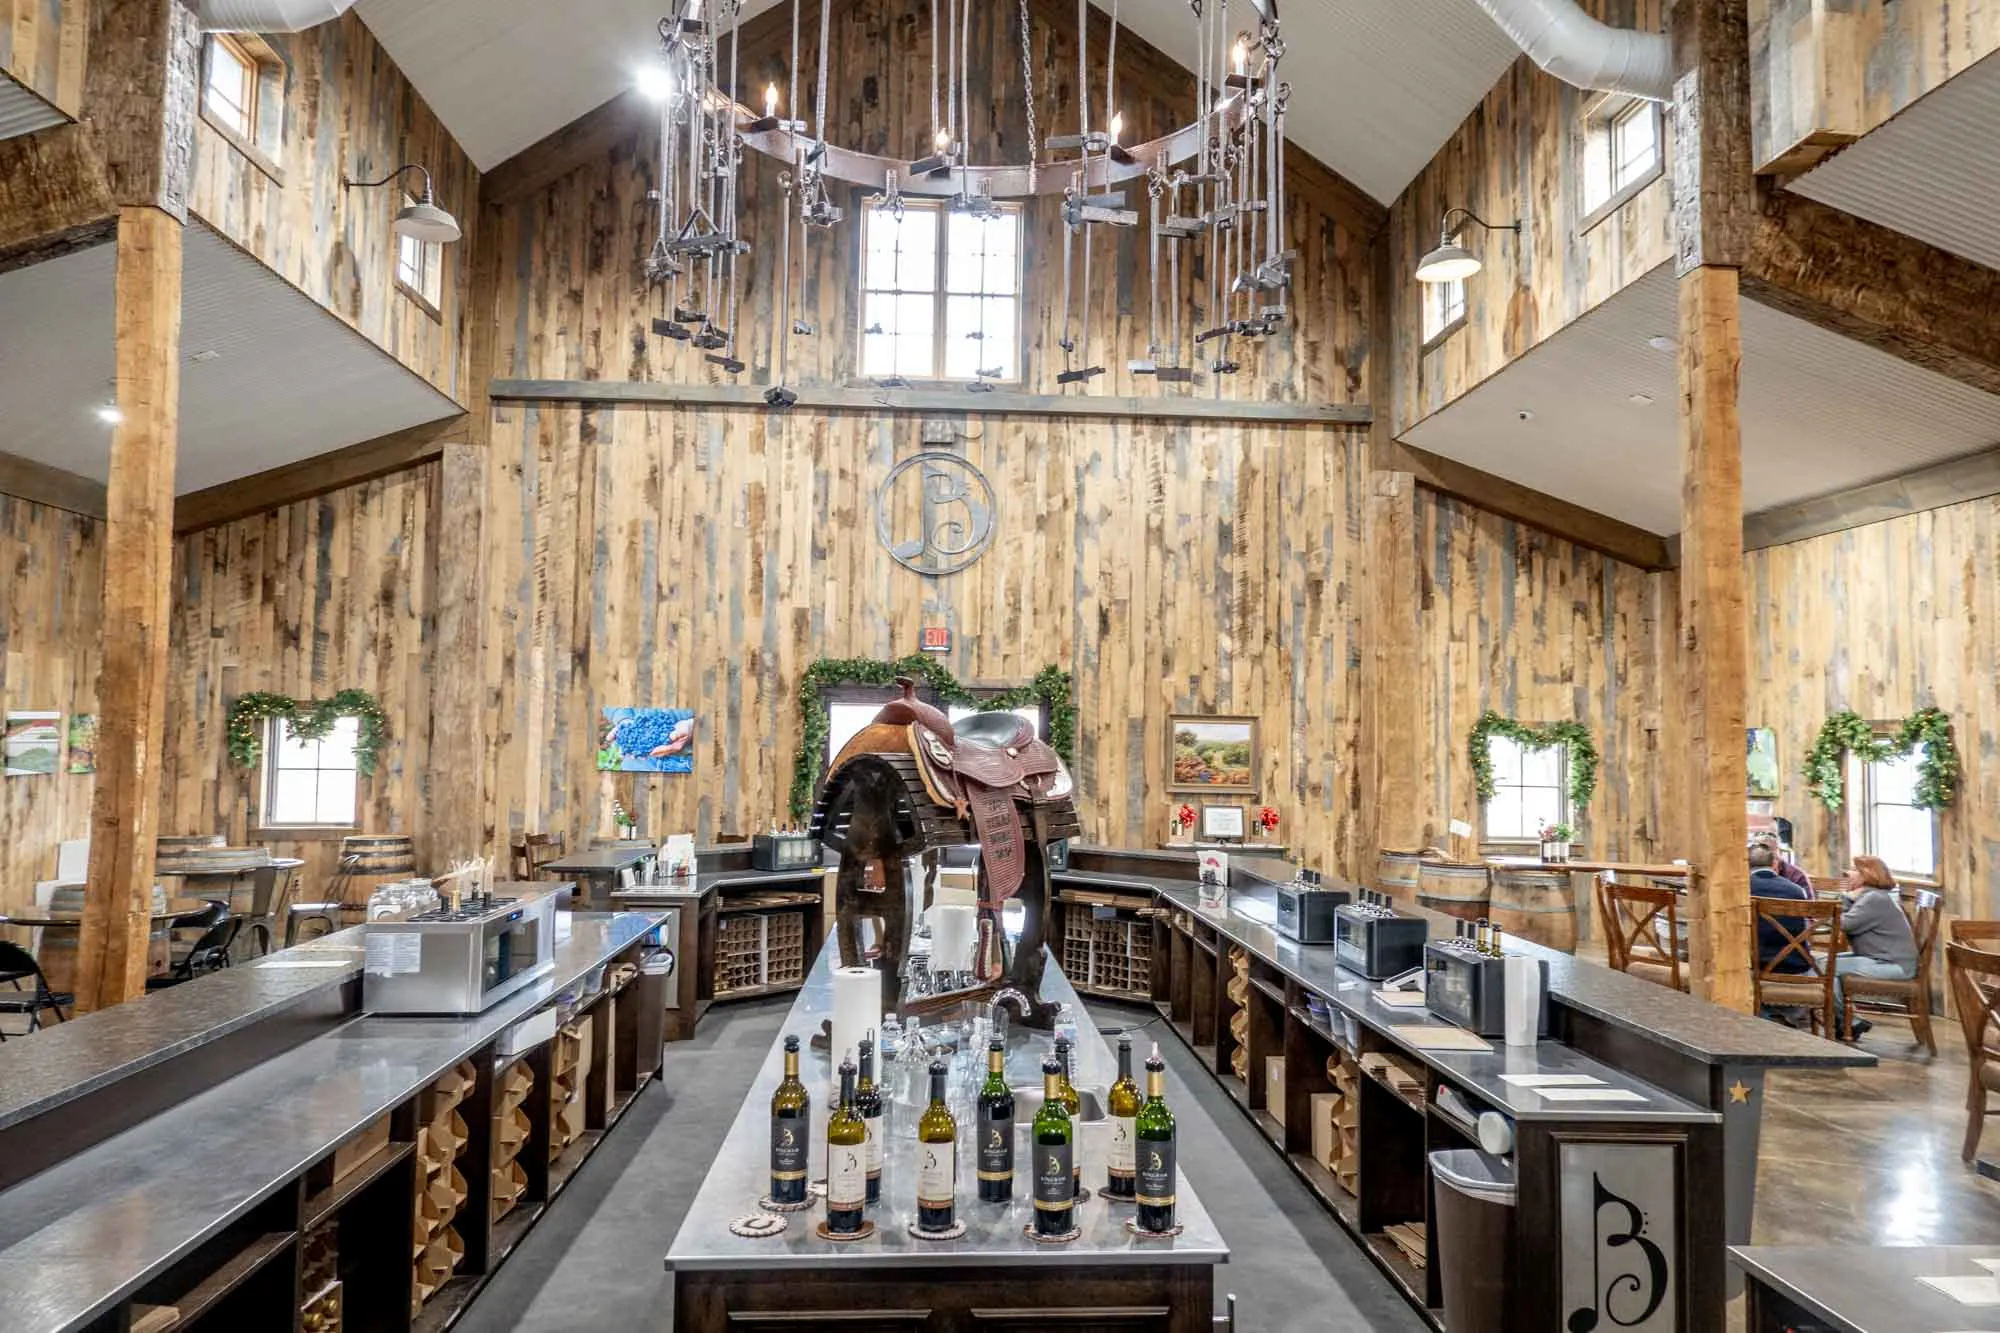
(420, 266)
(851, 708)
(229, 93)
(1886, 822)
(1530, 789)
(1621, 151)
(1444, 308)
(310, 782)
(941, 293)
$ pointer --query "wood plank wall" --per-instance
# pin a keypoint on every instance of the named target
(49, 619)
(348, 111)
(319, 596)
(1887, 619)
(42, 47)
(1517, 156)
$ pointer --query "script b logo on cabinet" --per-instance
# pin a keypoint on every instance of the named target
(1620, 1237)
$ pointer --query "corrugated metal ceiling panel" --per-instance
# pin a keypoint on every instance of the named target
(22, 112)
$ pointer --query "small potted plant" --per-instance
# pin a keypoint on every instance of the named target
(1267, 822)
(1556, 839)
(626, 823)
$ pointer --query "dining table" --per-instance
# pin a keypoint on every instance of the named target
(599, 870)
(57, 952)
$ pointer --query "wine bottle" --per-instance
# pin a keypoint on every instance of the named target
(791, 1109)
(1154, 1134)
(868, 1103)
(1054, 1173)
(1073, 1106)
(996, 1129)
(937, 1158)
(1119, 1172)
(846, 1160)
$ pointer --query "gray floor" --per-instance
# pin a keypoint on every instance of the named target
(594, 1262)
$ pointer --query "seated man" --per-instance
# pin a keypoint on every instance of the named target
(1878, 933)
(1787, 866)
(1766, 882)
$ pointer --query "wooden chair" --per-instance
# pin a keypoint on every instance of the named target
(1974, 975)
(1809, 932)
(532, 851)
(1977, 934)
(1913, 995)
(1635, 917)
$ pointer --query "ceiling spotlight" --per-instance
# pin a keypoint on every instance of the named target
(421, 221)
(110, 414)
(1642, 399)
(654, 81)
(1660, 342)
(1452, 262)
(205, 356)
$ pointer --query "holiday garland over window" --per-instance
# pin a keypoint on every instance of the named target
(1846, 732)
(1572, 736)
(1050, 688)
(313, 720)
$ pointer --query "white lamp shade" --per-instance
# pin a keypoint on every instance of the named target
(427, 222)
(1450, 262)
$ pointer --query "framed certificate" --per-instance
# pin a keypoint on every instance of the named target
(1222, 821)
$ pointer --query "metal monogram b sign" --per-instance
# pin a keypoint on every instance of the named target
(1620, 1229)
(934, 513)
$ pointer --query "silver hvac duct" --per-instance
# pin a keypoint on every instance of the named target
(1579, 50)
(270, 15)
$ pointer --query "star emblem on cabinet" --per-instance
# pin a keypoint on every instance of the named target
(1739, 1093)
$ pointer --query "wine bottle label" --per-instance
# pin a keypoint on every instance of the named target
(788, 1148)
(996, 1146)
(873, 1158)
(1156, 1172)
(846, 1176)
(937, 1174)
(1055, 1176)
(1122, 1161)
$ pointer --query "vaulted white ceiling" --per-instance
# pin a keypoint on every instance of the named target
(1377, 85)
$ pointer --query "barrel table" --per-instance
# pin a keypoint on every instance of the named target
(1396, 875)
(1538, 905)
(1456, 888)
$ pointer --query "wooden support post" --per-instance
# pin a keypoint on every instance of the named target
(1714, 208)
(138, 565)
(1399, 759)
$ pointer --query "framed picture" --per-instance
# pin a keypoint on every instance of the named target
(1212, 754)
(646, 740)
(1222, 821)
(1762, 751)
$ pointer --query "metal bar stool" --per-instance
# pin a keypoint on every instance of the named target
(327, 912)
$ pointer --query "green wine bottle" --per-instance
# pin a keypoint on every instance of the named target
(937, 1159)
(1119, 1172)
(996, 1129)
(868, 1102)
(1054, 1173)
(1154, 1133)
(846, 1160)
(1073, 1105)
(791, 1109)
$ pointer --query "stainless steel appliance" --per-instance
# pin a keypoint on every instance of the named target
(1469, 988)
(1369, 938)
(446, 962)
(1306, 908)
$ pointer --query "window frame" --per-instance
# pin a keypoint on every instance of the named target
(1860, 782)
(262, 138)
(1510, 842)
(267, 778)
(1438, 298)
(1601, 122)
(428, 289)
(240, 56)
(940, 296)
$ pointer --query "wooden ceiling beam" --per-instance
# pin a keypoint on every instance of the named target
(589, 138)
(320, 475)
(55, 195)
(1876, 286)
(25, 479)
(1973, 477)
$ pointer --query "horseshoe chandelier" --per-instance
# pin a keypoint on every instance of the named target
(1214, 188)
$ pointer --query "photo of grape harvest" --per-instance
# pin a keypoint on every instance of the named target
(1215, 755)
(646, 740)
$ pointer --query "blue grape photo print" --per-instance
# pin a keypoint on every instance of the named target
(647, 740)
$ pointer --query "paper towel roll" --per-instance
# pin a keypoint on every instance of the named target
(857, 1009)
(952, 927)
(1524, 1000)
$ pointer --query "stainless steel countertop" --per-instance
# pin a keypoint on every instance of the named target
(87, 1233)
(1872, 1288)
(993, 1236)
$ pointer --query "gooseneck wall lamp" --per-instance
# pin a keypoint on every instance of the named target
(1452, 262)
(421, 221)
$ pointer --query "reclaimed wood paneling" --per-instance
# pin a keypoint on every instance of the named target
(1887, 619)
(49, 624)
(1519, 156)
(42, 46)
(348, 111)
(321, 595)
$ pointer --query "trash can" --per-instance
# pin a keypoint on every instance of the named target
(1473, 1223)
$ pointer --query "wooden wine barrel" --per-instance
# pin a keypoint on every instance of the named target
(1396, 874)
(211, 859)
(168, 851)
(386, 854)
(1537, 905)
(1457, 888)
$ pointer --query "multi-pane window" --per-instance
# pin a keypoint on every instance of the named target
(1886, 821)
(1529, 790)
(420, 265)
(229, 91)
(1621, 149)
(1444, 307)
(941, 293)
(310, 782)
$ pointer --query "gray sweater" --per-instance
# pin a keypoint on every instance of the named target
(1877, 928)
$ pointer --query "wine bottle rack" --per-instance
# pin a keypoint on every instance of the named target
(436, 1249)
(760, 950)
(512, 1128)
(567, 1075)
(1111, 955)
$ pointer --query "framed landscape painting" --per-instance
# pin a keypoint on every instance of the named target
(1212, 754)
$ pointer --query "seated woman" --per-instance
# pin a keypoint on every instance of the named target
(1877, 932)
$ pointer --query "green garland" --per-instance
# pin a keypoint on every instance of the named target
(1050, 687)
(250, 715)
(1845, 732)
(1570, 735)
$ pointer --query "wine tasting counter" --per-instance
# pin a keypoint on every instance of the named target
(994, 1278)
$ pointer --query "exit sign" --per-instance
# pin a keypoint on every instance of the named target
(936, 639)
